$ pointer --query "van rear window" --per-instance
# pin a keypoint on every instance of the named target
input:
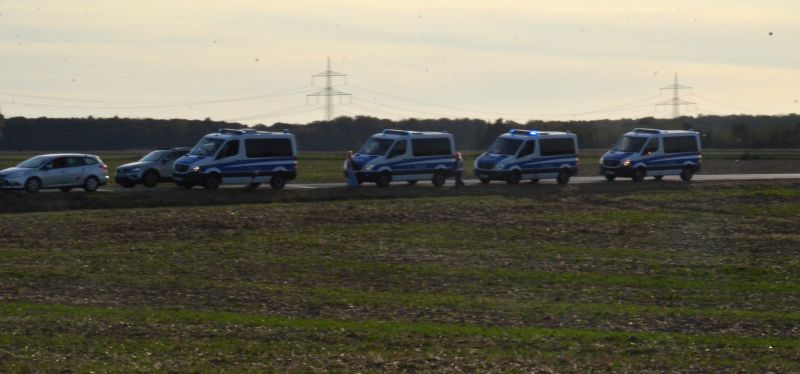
(431, 147)
(680, 144)
(555, 147)
(257, 148)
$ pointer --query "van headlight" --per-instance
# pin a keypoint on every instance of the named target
(601, 161)
(626, 163)
(369, 167)
(196, 169)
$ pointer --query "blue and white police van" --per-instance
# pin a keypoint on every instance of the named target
(400, 155)
(529, 154)
(238, 156)
(656, 153)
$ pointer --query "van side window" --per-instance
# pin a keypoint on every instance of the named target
(651, 147)
(558, 146)
(231, 148)
(431, 147)
(278, 147)
(399, 148)
(679, 144)
(527, 149)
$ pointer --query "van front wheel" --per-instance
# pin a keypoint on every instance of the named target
(212, 182)
(638, 175)
(383, 179)
(277, 182)
(438, 179)
(513, 178)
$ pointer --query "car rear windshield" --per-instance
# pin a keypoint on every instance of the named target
(376, 146)
(629, 144)
(505, 146)
(34, 162)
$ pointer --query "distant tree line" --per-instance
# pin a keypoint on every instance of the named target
(82, 134)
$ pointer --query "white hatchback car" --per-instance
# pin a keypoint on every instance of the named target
(63, 171)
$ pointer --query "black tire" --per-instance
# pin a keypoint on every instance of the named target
(639, 174)
(687, 173)
(150, 178)
(611, 177)
(65, 189)
(33, 185)
(535, 180)
(563, 177)
(277, 182)
(383, 179)
(411, 183)
(658, 177)
(212, 182)
(438, 179)
(91, 184)
(514, 177)
(484, 180)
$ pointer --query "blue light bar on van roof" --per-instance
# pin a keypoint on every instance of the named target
(523, 132)
(647, 131)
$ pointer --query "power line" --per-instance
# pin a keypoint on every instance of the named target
(727, 105)
(328, 92)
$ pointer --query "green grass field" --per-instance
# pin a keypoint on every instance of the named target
(610, 277)
(327, 166)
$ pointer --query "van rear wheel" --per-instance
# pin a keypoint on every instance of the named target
(438, 179)
(687, 173)
(277, 182)
(563, 177)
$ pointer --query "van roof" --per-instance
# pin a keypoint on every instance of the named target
(394, 132)
(239, 132)
(643, 131)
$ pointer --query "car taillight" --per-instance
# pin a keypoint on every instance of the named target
(104, 167)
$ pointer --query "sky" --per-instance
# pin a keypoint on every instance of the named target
(252, 61)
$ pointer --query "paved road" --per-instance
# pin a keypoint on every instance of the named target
(577, 180)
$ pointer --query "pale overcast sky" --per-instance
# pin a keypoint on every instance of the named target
(252, 61)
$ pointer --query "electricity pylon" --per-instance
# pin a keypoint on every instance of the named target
(328, 92)
(676, 101)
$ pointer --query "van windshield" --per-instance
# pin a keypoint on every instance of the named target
(629, 144)
(376, 146)
(505, 146)
(153, 156)
(206, 147)
(34, 162)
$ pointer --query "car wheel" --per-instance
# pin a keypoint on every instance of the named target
(563, 177)
(438, 179)
(277, 181)
(535, 180)
(65, 189)
(513, 178)
(687, 173)
(212, 182)
(411, 183)
(484, 180)
(150, 178)
(91, 184)
(638, 175)
(383, 179)
(610, 178)
(33, 185)
(658, 177)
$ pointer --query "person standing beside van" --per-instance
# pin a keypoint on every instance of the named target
(459, 166)
(350, 169)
